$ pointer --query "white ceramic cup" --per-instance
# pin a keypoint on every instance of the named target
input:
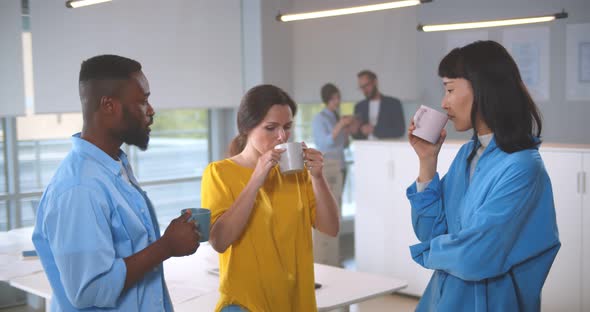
(429, 123)
(292, 158)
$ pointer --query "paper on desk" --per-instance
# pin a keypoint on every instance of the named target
(11, 266)
(181, 291)
(187, 277)
(14, 241)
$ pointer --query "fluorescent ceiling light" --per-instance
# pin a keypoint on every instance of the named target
(350, 10)
(494, 23)
(80, 3)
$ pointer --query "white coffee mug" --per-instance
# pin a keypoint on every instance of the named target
(292, 158)
(429, 123)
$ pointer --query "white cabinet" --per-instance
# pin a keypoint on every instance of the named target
(383, 226)
(562, 290)
(585, 189)
(383, 223)
(369, 218)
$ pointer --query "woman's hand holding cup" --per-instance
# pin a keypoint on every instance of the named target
(424, 149)
(314, 161)
(265, 163)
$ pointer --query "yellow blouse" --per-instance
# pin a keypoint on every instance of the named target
(270, 267)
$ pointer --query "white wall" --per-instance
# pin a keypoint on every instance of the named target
(267, 45)
(277, 47)
(336, 49)
(190, 50)
(12, 89)
(564, 121)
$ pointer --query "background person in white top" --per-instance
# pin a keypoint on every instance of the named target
(380, 116)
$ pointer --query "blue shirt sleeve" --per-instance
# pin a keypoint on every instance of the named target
(78, 232)
(428, 216)
(485, 246)
(322, 132)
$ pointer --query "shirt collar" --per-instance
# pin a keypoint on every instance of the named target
(84, 147)
(485, 139)
(329, 112)
(488, 141)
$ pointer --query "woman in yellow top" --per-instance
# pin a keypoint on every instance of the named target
(262, 219)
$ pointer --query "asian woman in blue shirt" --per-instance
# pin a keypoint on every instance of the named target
(488, 227)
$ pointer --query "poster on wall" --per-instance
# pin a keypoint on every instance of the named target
(578, 62)
(530, 49)
(456, 39)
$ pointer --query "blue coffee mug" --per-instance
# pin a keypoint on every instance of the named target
(202, 216)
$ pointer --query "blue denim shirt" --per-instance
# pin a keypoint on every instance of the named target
(89, 219)
(322, 125)
(491, 239)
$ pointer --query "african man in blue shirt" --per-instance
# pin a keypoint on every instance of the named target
(96, 231)
(488, 227)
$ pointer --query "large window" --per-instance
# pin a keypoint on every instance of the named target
(43, 141)
(303, 132)
(171, 168)
(178, 146)
(169, 171)
(3, 206)
(3, 215)
(2, 162)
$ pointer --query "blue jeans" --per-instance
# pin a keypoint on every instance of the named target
(233, 308)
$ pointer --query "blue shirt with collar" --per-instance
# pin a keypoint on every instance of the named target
(322, 125)
(491, 239)
(89, 219)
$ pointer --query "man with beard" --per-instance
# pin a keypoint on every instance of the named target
(379, 116)
(96, 230)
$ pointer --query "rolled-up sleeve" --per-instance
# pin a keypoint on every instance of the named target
(79, 235)
(428, 216)
(485, 247)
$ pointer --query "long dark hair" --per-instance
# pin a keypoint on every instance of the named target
(253, 108)
(499, 95)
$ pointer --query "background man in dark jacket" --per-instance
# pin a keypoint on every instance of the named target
(380, 116)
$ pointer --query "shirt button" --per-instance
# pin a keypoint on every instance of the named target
(155, 269)
(142, 210)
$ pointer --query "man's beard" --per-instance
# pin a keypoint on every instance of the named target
(134, 134)
(372, 94)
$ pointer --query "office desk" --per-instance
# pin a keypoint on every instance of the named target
(192, 287)
(36, 284)
(340, 288)
(12, 243)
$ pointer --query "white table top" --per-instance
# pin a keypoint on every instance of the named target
(340, 288)
(191, 286)
(12, 244)
(36, 284)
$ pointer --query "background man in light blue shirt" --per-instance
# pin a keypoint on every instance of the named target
(96, 231)
(330, 131)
